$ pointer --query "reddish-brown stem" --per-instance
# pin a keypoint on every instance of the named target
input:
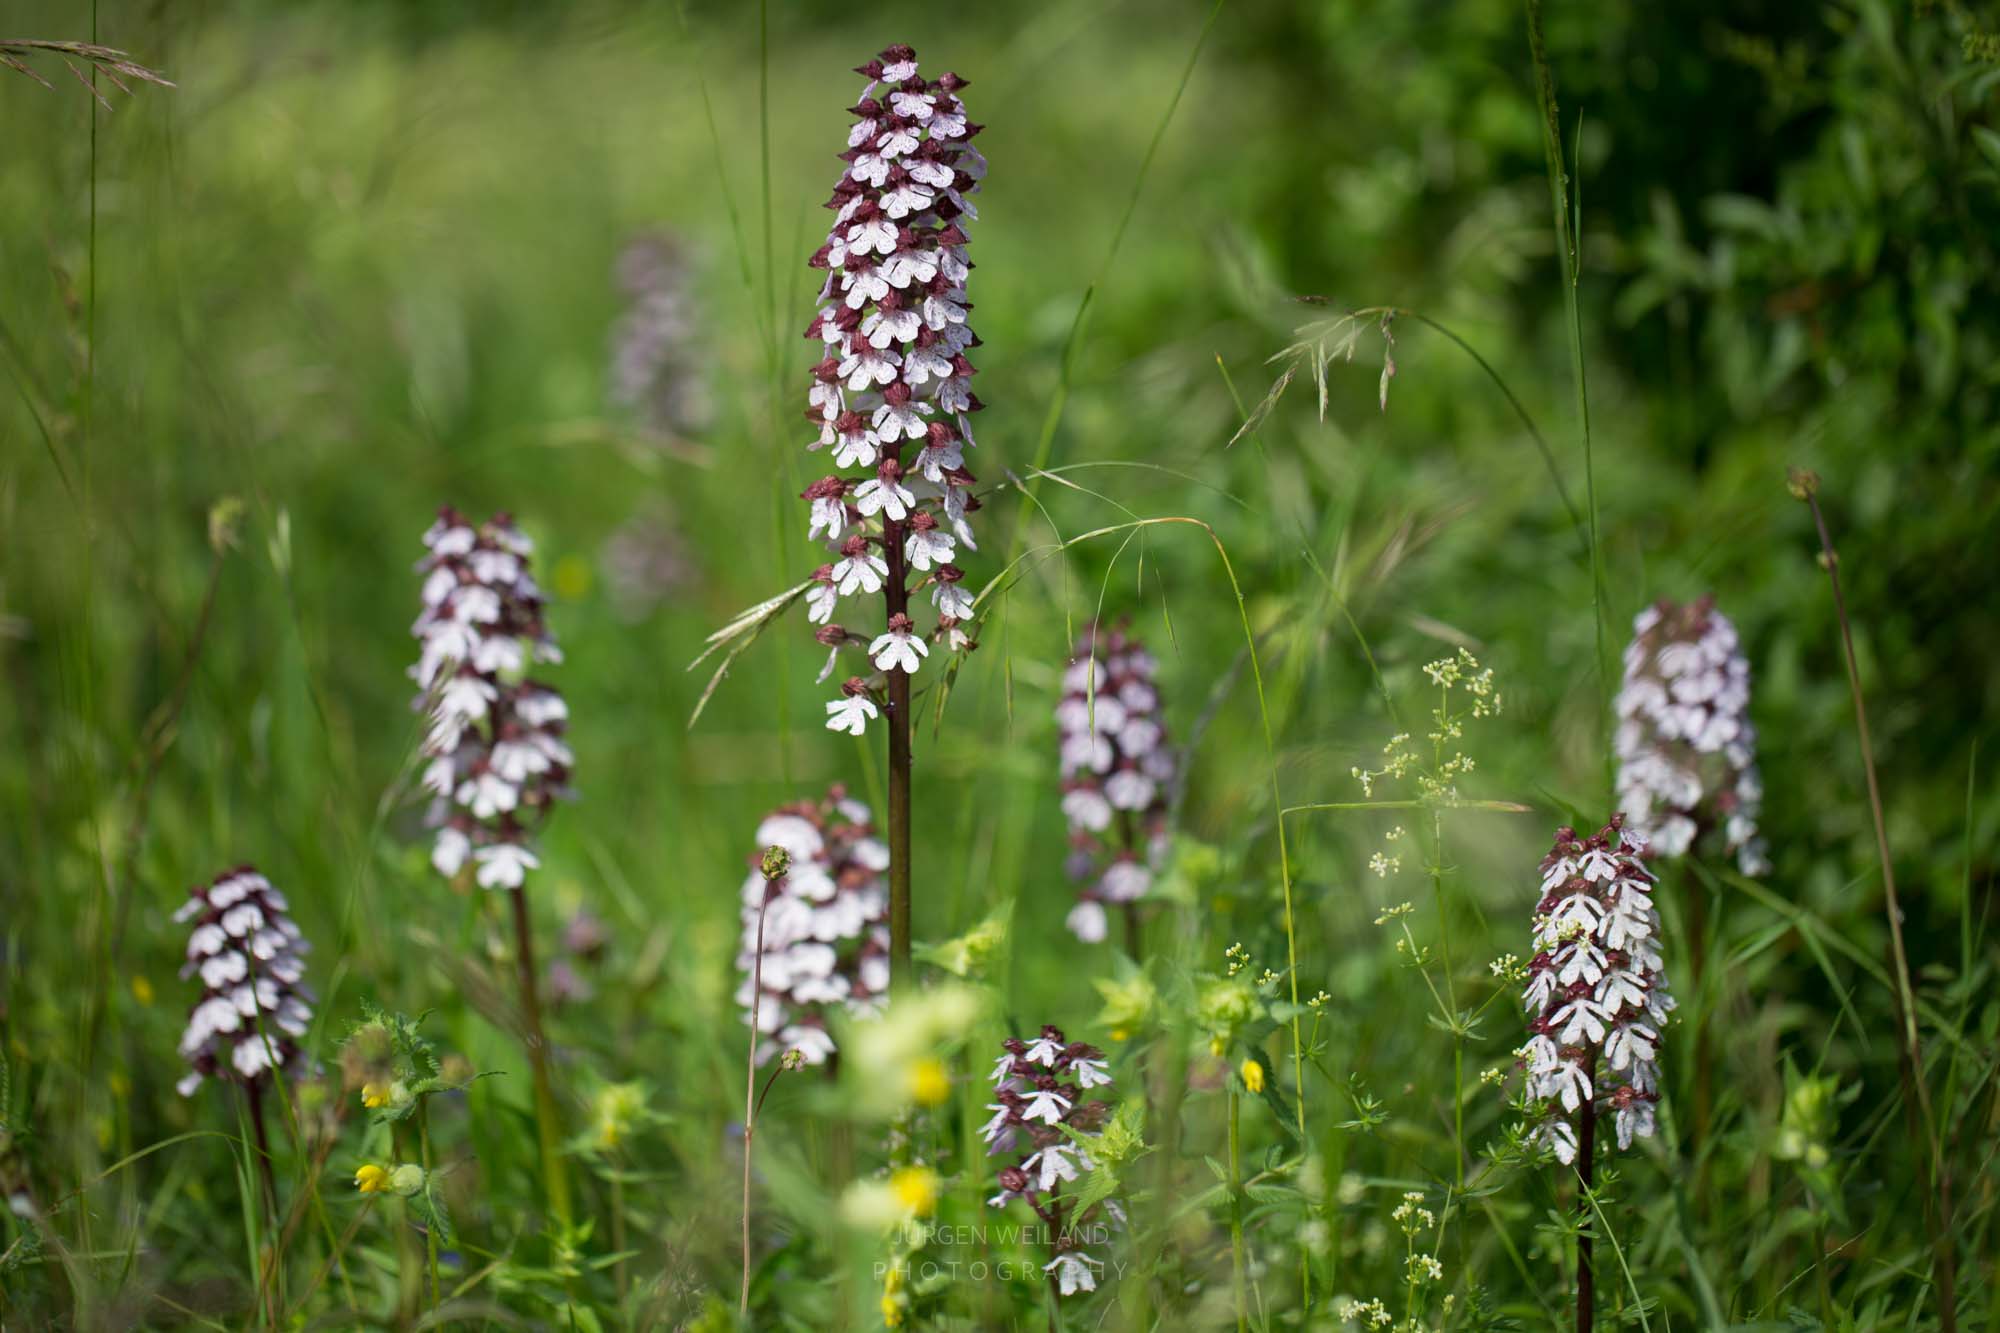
(897, 597)
(1132, 922)
(1586, 1171)
(264, 1170)
(555, 1179)
(267, 1274)
(1697, 901)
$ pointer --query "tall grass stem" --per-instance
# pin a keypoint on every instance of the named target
(1916, 1090)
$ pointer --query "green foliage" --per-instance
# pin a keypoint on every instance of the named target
(358, 261)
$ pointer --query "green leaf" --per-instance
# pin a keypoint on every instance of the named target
(1989, 143)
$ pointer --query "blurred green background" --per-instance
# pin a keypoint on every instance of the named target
(364, 260)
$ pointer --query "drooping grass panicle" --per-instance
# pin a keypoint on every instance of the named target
(825, 937)
(113, 64)
(496, 755)
(1596, 993)
(892, 396)
(1117, 774)
(255, 1007)
(1687, 750)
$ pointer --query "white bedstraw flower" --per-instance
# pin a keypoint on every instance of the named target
(890, 399)
(495, 755)
(255, 1007)
(1687, 751)
(1118, 773)
(826, 934)
(1596, 995)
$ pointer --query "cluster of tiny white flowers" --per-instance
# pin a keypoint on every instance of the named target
(495, 749)
(1595, 987)
(1466, 692)
(1030, 1101)
(825, 931)
(1117, 774)
(255, 1005)
(1422, 1272)
(1687, 752)
(892, 319)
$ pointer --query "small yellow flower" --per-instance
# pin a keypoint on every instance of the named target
(916, 1188)
(930, 1084)
(371, 1179)
(374, 1096)
(892, 1305)
(572, 578)
(1253, 1075)
(142, 989)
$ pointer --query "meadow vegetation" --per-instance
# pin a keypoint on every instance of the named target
(1358, 382)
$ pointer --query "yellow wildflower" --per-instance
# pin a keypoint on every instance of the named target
(930, 1084)
(916, 1188)
(371, 1179)
(1253, 1075)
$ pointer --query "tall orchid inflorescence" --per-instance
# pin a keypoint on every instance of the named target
(894, 377)
(255, 1006)
(1032, 1106)
(1687, 752)
(1596, 992)
(497, 757)
(1117, 774)
(825, 941)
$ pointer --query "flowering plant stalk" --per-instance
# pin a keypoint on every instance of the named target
(497, 757)
(399, 1072)
(1034, 1109)
(1687, 752)
(893, 376)
(772, 869)
(815, 940)
(1598, 999)
(1117, 776)
(1687, 774)
(255, 1007)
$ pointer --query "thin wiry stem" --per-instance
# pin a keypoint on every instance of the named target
(750, 1088)
(1915, 1088)
(1569, 235)
(1236, 1215)
(1073, 341)
(897, 598)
